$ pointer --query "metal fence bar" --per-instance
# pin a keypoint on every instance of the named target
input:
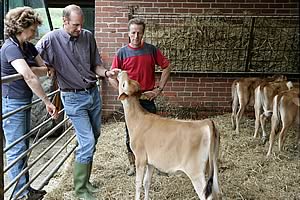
(250, 45)
(31, 132)
(1, 130)
(4, 169)
(10, 78)
(45, 165)
(1, 153)
(29, 105)
(56, 168)
(16, 179)
(34, 145)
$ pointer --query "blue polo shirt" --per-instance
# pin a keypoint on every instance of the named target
(11, 51)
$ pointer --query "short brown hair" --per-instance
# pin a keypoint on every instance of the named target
(20, 18)
(137, 21)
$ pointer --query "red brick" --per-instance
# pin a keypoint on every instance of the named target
(109, 9)
(175, 5)
(189, 5)
(199, 11)
(291, 5)
(277, 5)
(198, 94)
(234, 5)
(282, 11)
(246, 5)
(203, 5)
(166, 10)
(267, 11)
(283, 1)
(151, 10)
(184, 94)
(216, 89)
(181, 10)
(261, 5)
(190, 99)
(211, 94)
(217, 5)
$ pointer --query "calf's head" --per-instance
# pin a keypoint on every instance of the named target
(127, 87)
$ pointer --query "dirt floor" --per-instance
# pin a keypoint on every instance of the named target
(244, 170)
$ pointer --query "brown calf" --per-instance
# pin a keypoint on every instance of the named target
(243, 95)
(169, 145)
(286, 109)
(264, 95)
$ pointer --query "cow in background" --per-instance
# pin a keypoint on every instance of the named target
(286, 109)
(264, 95)
(242, 91)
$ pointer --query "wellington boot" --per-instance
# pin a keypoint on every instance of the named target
(85, 196)
(91, 188)
(81, 172)
(131, 158)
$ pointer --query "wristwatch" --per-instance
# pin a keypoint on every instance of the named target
(159, 88)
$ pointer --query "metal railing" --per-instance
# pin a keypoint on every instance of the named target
(66, 141)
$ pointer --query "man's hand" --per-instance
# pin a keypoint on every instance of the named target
(113, 73)
(151, 95)
(50, 72)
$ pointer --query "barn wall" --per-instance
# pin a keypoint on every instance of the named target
(210, 91)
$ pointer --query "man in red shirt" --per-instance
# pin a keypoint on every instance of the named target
(139, 58)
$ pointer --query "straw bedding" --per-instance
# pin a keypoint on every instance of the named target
(244, 170)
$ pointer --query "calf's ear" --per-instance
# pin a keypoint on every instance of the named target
(122, 96)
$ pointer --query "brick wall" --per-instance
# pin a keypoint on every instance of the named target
(210, 91)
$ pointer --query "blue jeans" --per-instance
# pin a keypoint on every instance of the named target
(15, 127)
(84, 110)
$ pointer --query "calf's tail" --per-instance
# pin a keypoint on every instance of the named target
(276, 104)
(212, 183)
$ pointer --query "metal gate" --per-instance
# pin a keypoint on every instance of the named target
(40, 163)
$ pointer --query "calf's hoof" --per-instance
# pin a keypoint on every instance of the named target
(264, 140)
(131, 171)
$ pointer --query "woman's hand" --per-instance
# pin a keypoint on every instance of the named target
(51, 109)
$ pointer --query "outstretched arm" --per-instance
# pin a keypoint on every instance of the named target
(33, 82)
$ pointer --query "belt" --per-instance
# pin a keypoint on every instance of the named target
(77, 90)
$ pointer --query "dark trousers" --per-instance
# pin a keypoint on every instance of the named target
(150, 107)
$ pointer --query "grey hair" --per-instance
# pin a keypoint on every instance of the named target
(72, 8)
(137, 21)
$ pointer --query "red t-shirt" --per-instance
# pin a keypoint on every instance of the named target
(140, 63)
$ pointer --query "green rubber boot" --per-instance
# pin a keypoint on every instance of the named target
(81, 175)
(91, 188)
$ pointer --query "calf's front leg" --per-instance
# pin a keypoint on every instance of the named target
(147, 180)
(140, 168)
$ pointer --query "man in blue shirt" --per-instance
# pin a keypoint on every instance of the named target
(72, 51)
